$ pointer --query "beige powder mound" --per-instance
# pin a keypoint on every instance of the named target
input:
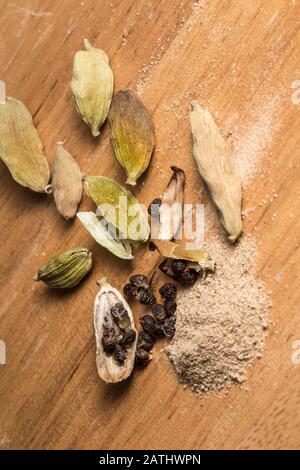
(221, 321)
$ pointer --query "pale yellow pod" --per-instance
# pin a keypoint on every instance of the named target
(92, 86)
(218, 169)
(20, 146)
(102, 235)
(66, 183)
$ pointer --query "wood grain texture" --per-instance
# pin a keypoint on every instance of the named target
(239, 59)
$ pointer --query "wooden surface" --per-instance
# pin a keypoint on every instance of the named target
(239, 59)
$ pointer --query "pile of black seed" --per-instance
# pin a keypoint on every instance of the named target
(161, 323)
(118, 338)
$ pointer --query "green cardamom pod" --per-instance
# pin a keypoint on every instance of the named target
(132, 134)
(92, 86)
(67, 269)
(66, 183)
(119, 207)
(20, 146)
(103, 236)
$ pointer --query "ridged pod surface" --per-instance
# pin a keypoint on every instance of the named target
(218, 169)
(119, 207)
(66, 269)
(132, 134)
(92, 86)
(20, 146)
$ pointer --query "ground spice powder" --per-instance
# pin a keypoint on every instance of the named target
(221, 321)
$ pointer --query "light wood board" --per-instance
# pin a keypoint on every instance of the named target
(240, 59)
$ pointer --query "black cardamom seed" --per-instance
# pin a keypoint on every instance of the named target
(178, 266)
(139, 280)
(120, 315)
(142, 357)
(144, 296)
(145, 341)
(158, 311)
(168, 291)
(128, 337)
(188, 277)
(170, 307)
(119, 354)
(128, 290)
(169, 327)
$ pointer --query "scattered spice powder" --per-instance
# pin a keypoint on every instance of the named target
(221, 321)
(251, 140)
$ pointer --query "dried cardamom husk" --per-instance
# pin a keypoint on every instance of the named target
(115, 354)
(132, 134)
(186, 252)
(66, 183)
(92, 86)
(119, 207)
(20, 146)
(184, 263)
(67, 269)
(218, 169)
(171, 208)
(103, 235)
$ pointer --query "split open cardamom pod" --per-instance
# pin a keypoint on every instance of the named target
(92, 86)
(66, 183)
(132, 134)
(66, 269)
(20, 146)
(103, 235)
(116, 336)
(184, 263)
(218, 169)
(170, 208)
(119, 207)
(184, 251)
